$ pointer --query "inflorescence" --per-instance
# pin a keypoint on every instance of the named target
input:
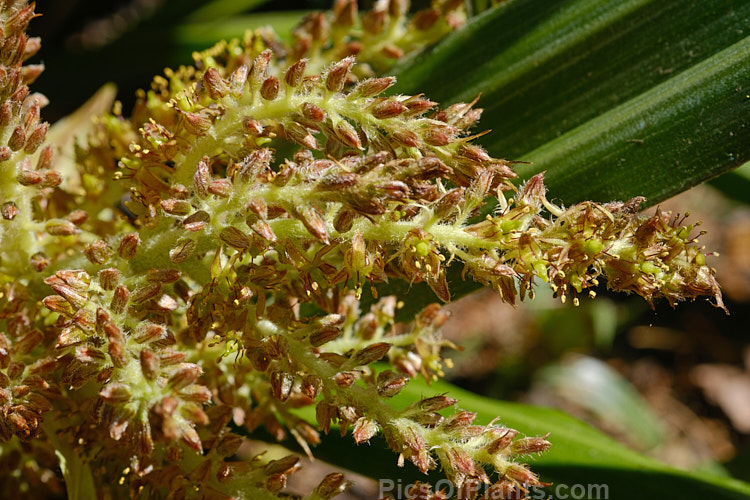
(268, 187)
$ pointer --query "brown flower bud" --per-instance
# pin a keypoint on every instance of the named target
(313, 222)
(282, 384)
(426, 19)
(311, 386)
(389, 383)
(324, 335)
(116, 392)
(347, 134)
(374, 21)
(364, 429)
(371, 353)
(149, 332)
(260, 67)
(344, 379)
(252, 126)
(407, 138)
(163, 276)
(17, 138)
(9, 210)
(22, 92)
(437, 135)
(249, 168)
(196, 393)
(216, 85)
(418, 106)
(229, 445)
(61, 227)
(221, 188)
(6, 113)
(29, 177)
(202, 178)
(529, 445)
(501, 443)
(333, 484)
(237, 80)
(146, 292)
(436, 403)
(150, 364)
(174, 206)
(196, 123)
(19, 20)
(521, 475)
(374, 86)
(184, 376)
(270, 88)
(51, 178)
(39, 262)
(344, 220)
(324, 412)
(458, 421)
(276, 482)
(345, 13)
(77, 217)
(301, 135)
(225, 471)
(234, 238)
(294, 74)
(196, 221)
(313, 112)
(262, 229)
(285, 465)
(393, 52)
(28, 342)
(98, 252)
(36, 138)
(182, 250)
(119, 299)
(388, 108)
(338, 73)
(58, 304)
(116, 349)
(108, 278)
(128, 246)
(45, 157)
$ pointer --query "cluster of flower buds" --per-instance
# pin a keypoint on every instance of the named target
(423, 436)
(265, 194)
(571, 248)
(102, 339)
(25, 174)
(387, 33)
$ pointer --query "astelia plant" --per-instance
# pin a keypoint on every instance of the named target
(219, 260)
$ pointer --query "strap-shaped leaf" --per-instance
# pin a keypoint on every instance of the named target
(613, 98)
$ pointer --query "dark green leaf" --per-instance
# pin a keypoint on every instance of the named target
(613, 98)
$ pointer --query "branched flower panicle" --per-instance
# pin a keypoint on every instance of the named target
(268, 187)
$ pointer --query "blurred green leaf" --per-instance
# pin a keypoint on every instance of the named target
(613, 99)
(580, 454)
(595, 387)
(199, 35)
(217, 9)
